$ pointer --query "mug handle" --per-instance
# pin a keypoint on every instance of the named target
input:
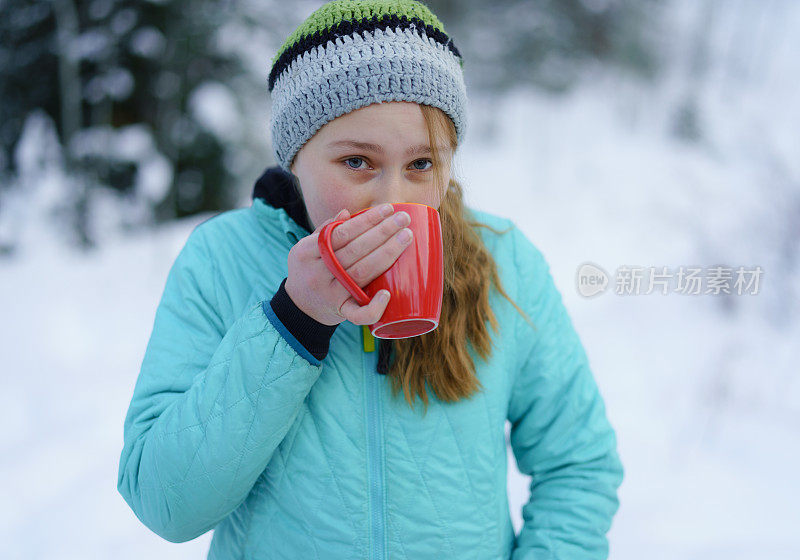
(326, 251)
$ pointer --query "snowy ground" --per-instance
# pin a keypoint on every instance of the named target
(704, 400)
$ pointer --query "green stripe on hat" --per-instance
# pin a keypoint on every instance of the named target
(337, 11)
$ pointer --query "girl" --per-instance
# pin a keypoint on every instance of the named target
(264, 408)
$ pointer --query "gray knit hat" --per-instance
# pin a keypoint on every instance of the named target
(352, 53)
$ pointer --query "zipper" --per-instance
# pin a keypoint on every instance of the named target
(374, 444)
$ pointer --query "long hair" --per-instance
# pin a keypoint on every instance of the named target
(440, 358)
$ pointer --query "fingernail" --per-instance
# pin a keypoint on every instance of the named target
(405, 236)
(384, 295)
(402, 219)
(386, 210)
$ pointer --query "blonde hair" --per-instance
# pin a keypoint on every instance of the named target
(440, 357)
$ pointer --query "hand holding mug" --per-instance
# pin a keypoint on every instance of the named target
(366, 245)
(415, 281)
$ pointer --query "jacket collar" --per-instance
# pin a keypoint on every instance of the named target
(276, 188)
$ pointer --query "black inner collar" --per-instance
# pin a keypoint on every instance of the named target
(278, 188)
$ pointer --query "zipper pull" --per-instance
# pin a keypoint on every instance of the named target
(368, 339)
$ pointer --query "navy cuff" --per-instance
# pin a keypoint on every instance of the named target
(312, 334)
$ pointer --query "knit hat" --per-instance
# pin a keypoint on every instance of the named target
(352, 53)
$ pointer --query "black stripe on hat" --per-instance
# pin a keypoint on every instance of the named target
(344, 28)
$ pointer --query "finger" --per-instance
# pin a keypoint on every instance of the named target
(371, 240)
(366, 314)
(357, 225)
(308, 245)
(381, 259)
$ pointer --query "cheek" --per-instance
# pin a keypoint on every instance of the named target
(333, 200)
(327, 203)
(334, 195)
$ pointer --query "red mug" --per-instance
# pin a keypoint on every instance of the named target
(415, 280)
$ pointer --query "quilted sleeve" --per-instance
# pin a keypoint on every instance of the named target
(560, 435)
(210, 404)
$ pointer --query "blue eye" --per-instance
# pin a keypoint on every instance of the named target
(423, 160)
(351, 159)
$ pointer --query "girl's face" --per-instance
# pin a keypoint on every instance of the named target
(375, 154)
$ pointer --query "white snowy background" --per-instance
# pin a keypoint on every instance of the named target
(703, 391)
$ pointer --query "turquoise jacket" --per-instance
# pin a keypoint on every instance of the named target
(236, 426)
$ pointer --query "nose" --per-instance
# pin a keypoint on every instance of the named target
(390, 188)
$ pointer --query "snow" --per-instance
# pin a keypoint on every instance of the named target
(73, 335)
(99, 9)
(117, 84)
(123, 21)
(30, 204)
(92, 44)
(132, 143)
(214, 106)
(148, 42)
(702, 391)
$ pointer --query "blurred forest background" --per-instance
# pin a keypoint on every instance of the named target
(142, 111)
(122, 114)
(657, 132)
(117, 115)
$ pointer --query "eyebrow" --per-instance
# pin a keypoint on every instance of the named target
(368, 147)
